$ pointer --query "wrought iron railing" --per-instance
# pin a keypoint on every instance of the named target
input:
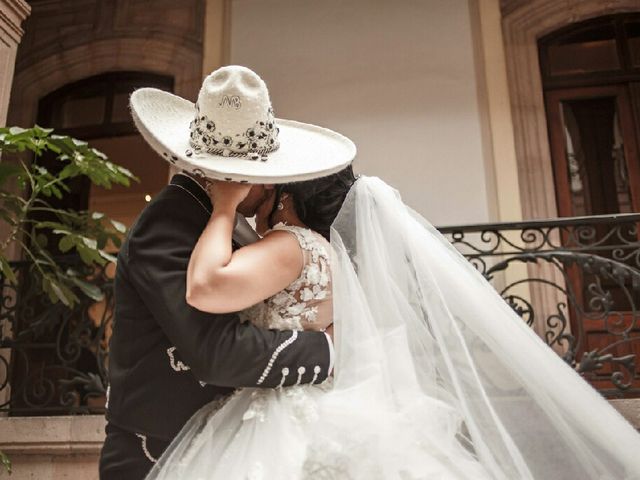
(53, 359)
(575, 280)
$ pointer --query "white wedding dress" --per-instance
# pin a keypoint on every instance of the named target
(435, 376)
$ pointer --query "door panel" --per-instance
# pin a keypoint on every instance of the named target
(593, 137)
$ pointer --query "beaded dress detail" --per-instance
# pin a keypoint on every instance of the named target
(306, 303)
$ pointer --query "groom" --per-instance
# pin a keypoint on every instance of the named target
(168, 359)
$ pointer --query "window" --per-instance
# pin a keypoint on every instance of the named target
(97, 110)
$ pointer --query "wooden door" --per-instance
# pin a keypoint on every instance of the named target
(594, 146)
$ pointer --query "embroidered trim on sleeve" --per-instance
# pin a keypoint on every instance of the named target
(316, 372)
(285, 372)
(176, 365)
(145, 450)
(275, 354)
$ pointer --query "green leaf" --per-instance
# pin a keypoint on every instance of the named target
(56, 191)
(108, 256)
(42, 240)
(91, 291)
(17, 130)
(7, 271)
(90, 242)
(89, 256)
(119, 226)
(58, 292)
(66, 243)
(6, 462)
(40, 131)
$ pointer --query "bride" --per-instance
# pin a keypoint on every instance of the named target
(435, 376)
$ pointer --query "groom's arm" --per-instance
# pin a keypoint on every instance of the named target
(219, 349)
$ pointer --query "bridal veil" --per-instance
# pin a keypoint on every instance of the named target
(411, 309)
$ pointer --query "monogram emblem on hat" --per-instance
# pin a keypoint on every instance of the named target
(231, 101)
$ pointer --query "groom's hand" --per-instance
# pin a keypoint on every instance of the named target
(227, 195)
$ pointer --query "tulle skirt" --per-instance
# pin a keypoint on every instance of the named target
(316, 432)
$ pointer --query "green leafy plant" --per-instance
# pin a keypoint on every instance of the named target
(6, 463)
(26, 191)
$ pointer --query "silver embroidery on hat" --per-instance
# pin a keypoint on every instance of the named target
(254, 142)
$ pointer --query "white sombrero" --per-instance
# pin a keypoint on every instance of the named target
(231, 133)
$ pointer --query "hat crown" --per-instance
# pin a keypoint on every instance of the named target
(234, 114)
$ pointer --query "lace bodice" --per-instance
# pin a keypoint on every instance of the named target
(306, 303)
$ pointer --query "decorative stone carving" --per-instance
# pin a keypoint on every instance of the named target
(104, 36)
(12, 14)
(523, 23)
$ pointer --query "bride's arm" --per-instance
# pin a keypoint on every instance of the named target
(220, 280)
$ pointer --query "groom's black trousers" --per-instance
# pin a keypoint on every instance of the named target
(123, 457)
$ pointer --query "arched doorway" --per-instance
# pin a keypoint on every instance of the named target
(590, 75)
(523, 25)
(591, 82)
(96, 110)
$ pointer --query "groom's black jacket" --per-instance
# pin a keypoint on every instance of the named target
(168, 359)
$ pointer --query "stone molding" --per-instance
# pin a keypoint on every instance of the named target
(83, 61)
(107, 36)
(523, 23)
(12, 14)
(64, 435)
(629, 408)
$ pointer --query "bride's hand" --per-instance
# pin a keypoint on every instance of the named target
(227, 195)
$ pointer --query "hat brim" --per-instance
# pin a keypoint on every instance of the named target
(306, 151)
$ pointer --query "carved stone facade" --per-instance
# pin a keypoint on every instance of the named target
(70, 40)
(523, 23)
(12, 14)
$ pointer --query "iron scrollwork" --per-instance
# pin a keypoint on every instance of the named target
(54, 360)
(590, 267)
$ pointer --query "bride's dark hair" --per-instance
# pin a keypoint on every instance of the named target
(317, 202)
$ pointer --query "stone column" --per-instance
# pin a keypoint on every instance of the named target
(12, 14)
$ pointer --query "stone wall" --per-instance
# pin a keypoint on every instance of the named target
(69, 40)
(52, 448)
